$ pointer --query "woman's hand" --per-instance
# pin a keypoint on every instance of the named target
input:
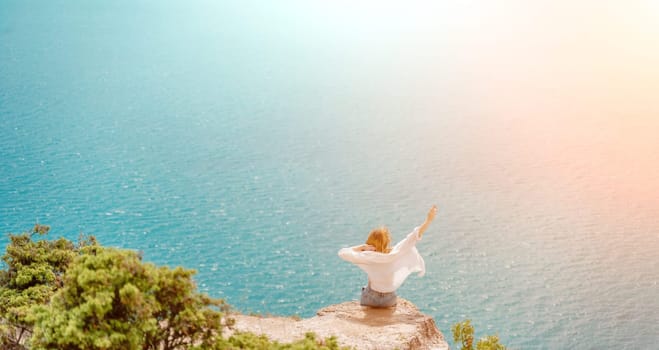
(431, 216)
(432, 213)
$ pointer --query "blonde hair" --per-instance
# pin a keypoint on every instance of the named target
(380, 239)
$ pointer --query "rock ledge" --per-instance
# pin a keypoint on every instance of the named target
(402, 327)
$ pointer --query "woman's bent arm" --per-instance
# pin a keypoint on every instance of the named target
(363, 248)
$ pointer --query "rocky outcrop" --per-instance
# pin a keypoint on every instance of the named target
(402, 327)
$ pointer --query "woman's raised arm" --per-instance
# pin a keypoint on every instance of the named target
(431, 216)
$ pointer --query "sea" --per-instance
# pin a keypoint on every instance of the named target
(251, 140)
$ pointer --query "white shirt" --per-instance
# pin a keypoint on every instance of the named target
(388, 271)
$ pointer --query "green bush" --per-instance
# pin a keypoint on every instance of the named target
(112, 300)
(463, 332)
(61, 295)
(33, 271)
(260, 342)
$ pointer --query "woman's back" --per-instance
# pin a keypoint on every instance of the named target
(387, 268)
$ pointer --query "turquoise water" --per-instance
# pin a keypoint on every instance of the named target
(251, 141)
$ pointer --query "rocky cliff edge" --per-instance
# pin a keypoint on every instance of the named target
(402, 327)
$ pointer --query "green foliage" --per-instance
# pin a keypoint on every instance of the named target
(112, 300)
(261, 342)
(34, 271)
(61, 295)
(490, 342)
(463, 332)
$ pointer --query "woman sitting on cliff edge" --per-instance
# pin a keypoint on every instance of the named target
(387, 268)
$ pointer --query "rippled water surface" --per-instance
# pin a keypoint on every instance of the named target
(251, 141)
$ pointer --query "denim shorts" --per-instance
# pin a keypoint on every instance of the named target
(377, 299)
